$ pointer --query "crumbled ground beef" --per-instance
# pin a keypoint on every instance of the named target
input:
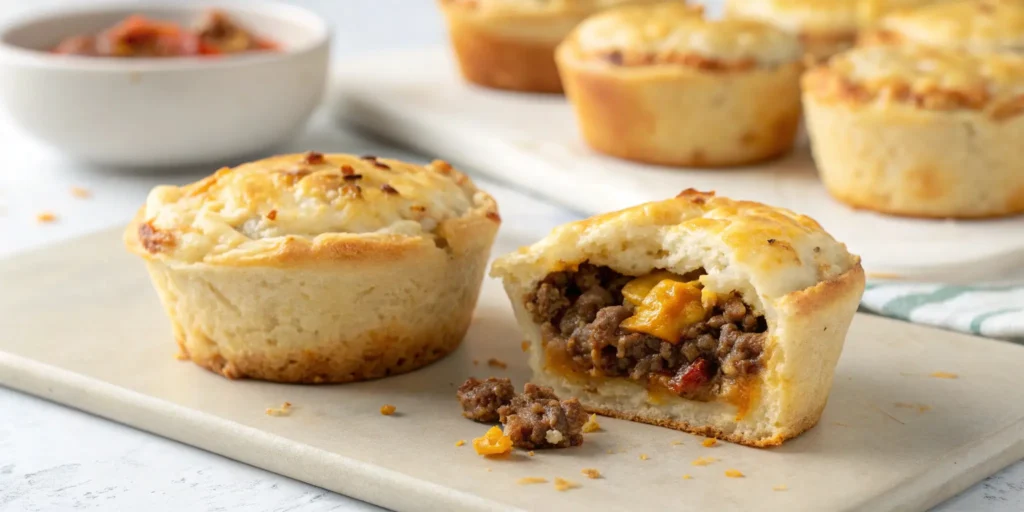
(537, 419)
(580, 313)
(481, 399)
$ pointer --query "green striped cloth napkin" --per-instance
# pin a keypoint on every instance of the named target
(993, 311)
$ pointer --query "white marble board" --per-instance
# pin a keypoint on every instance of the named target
(82, 326)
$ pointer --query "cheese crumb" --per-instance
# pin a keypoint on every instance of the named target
(780, 488)
(532, 480)
(530, 453)
(676, 443)
(387, 409)
(687, 477)
(46, 217)
(553, 436)
(591, 425)
(709, 442)
(495, 363)
(525, 345)
(944, 375)
(643, 456)
(921, 408)
(609, 451)
(703, 461)
(460, 442)
(591, 473)
(494, 442)
(284, 410)
(562, 484)
(81, 193)
(733, 473)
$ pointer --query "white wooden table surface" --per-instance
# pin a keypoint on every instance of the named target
(56, 458)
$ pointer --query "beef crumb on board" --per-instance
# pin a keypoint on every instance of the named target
(481, 399)
(536, 418)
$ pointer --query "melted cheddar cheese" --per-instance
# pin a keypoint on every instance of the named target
(665, 305)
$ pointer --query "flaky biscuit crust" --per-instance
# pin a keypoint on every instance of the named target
(317, 308)
(804, 282)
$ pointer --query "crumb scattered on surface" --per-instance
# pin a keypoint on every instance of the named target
(687, 477)
(643, 456)
(487, 470)
(387, 409)
(780, 488)
(460, 442)
(840, 424)
(609, 451)
(81, 193)
(709, 442)
(562, 484)
(494, 442)
(525, 345)
(495, 363)
(944, 375)
(284, 410)
(676, 443)
(482, 399)
(703, 461)
(531, 453)
(46, 217)
(532, 480)
(921, 408)
(591, 472)
(591, 425)
(733, 473)
(476, 362)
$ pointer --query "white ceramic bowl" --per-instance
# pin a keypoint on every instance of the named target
(163, 112)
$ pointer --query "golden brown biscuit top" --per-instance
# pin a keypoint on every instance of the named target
(801, 16)
(678, 34)
(742, 245)
(536, 7)
(925, 77)
(972, 25)
(251, 207)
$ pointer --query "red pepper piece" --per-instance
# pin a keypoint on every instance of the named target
(691, 377)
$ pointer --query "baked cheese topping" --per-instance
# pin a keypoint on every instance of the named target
(801, 16)
(675, 33)
(539, 7)
(972, 25)
(248, 207)
(928, 78)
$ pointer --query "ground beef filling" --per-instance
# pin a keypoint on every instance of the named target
(580, 313)
(481, 399)
(537, 419)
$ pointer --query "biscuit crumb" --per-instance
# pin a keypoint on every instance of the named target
(703, 461)
(487, 470)
(643, 456)
(591, 425)
(531, 453)
(921, 408)
(944, 375)
(81, 193)
(687, 477)
(284, 410)
(496, 363)
(780, 488)
(532, 480)
(46, 217)
(494, 442)
(709, 442)
(525, 345)
(733, 473)
(609, 451)
(591, 473)
(387, 409)
(460, 442)
(562, 484)
(676, 443)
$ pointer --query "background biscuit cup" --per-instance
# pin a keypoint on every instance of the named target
(680, 116)
(905, 160)
(514, 52)
(341, 308)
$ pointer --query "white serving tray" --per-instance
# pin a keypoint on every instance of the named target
(81, 325)
(417, 99)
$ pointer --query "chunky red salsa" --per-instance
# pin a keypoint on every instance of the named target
(138, 36)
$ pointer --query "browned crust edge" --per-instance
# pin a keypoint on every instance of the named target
(324, 367)
(501, 63)
(909, 214)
